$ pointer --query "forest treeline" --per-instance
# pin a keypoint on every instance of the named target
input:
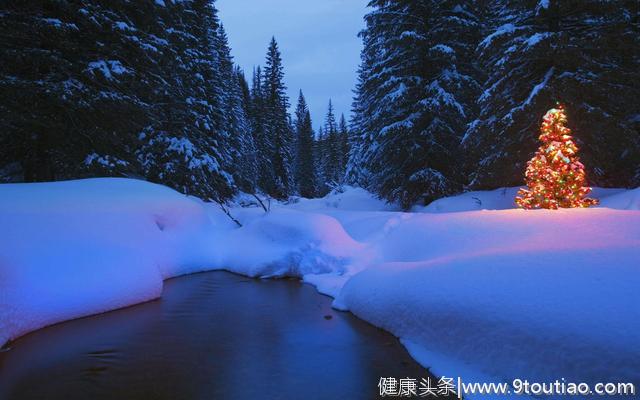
(149, 89)
(449, 97)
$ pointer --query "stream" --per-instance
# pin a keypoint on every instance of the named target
(213, 335)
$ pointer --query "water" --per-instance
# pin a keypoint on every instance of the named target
(214, 335)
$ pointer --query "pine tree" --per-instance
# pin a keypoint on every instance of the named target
(413, 98)
(331, 161)
(191, 149)
(555, 175)
(343, 148)
(360, 139)
(263, 142)
(248, 174)
(305, 168)
(320, 152)
(245, 90)
(235, 120)
(121, 88)
(277, 127)
(65, 95)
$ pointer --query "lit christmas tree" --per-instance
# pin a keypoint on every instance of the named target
(555, 175)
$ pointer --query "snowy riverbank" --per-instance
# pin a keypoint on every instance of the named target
(473, 287)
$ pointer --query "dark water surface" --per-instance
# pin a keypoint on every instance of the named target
(213, 335)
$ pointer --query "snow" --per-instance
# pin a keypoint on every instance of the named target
(623, 200)
(502, 199)
(442, 48)
(439, 95)
(473, 287)
(59, 24)
(53, 21)
(181, 145)
(289, 243)
(536, 38)
(123, 26)
(105, 161)
(537, 88)
(108, 68)
(511, 294)
(159, 41)
(542, 5)
(349, 199)
(411, 35)
(501, 30)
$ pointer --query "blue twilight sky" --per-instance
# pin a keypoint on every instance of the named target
(317, 38)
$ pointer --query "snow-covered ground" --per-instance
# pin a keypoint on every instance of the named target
(472, 287)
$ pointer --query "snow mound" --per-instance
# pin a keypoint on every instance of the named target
(624, 200)
(498, 199)
(289, 243)
(348, 198)
(505, 318)
(538, 295)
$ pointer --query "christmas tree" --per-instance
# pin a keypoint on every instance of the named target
(555, 175)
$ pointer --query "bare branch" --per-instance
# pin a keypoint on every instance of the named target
(261, 203)
(228, 213)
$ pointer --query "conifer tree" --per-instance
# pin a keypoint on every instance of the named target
(64, 94)
(331, 161)
(343, 143)
(413, 98)
(555, 175)
(320, 152)
(305, 168)
(263, 142)
(191, 150)
(277, 127)
(245, 90)
(235, 119)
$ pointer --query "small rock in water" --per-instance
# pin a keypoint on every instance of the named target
(328, 316)
(6, 347)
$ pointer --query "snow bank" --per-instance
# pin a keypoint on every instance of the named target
(349, 198)
(499, 199)
(539, 295)
(288, 243)
(70, 249)
(622, 200)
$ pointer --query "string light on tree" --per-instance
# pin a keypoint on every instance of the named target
(555, 176)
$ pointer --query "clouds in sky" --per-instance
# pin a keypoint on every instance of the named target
(317, 38)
